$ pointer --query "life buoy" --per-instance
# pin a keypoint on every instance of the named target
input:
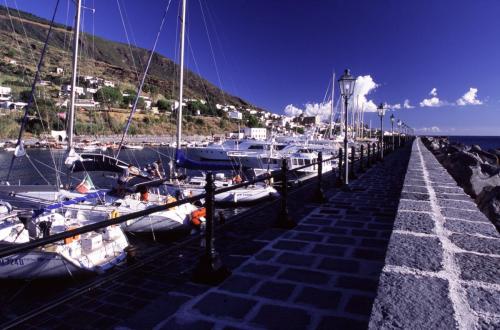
(196, 216)
(114, 214)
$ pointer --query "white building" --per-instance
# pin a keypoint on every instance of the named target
(256, 133)
(91, 90)
(59, 70)
(67, 89)
(235, 115)
(108, 83)
(5, 93)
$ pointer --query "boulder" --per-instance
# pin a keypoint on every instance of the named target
(488, 202)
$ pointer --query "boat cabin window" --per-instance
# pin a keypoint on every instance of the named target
(294, 161)
(256, 147)
(308, 161)
(301, 161)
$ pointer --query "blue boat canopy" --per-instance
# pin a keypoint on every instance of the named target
(55, 206)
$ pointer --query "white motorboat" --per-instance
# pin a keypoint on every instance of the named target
(216, 151)
(194, 186)
(93, 252)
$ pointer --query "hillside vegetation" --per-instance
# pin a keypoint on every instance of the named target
(111, 61)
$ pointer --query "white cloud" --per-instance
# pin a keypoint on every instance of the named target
(434, 101)
(469, 98)
(322, 109)
(433, 129)
(364, 86)
(407, 105)
(292, 111)
(396, 106)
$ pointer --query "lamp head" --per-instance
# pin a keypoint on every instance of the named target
(347, 82)
(381, 109)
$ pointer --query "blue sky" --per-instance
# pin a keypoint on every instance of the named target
(276, 53)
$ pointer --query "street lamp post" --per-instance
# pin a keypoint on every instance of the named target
(381, 113)
(346, 83)
(392, 130)
(399, 132)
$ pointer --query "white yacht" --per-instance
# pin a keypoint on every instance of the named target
(217, 151)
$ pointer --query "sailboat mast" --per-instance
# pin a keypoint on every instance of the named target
(181, 76)
(74, 74)
(333, 98)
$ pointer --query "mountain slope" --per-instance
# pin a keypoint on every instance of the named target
(101, 57)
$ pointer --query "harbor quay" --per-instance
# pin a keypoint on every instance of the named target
(401, 247)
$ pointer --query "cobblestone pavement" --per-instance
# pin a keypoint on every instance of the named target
(443, 264)
(322, 274)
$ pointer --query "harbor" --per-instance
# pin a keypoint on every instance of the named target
(140, 188)
(339, 266)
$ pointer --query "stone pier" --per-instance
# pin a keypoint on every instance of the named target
(442, 269)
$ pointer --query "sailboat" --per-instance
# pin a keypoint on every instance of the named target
(95, 251)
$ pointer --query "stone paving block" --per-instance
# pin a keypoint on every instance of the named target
(339, 265)
(415, 189)
(275, 290)
(281, 317)
(317, 221)
(334, 230)
(406, 205)
(447, 190)
(307, 228)
(414, 182)
(478, 268)
(369, 254)
(414, 222)
(290, 245)
(238, 284)
(460, 204)
(308, 237)
(457, 197)
(423, 253)
(478, 244)
(357, 283)
(153, 313)
(295, 259)
(260, 269)
(319, 298)
(410, 302)
(484, 300)
(341, 323)
(305, 276)
(415, 196)
(364, 233)
(463, 214)
(224, 306)
(330, 250)
(359, 305)
(350, 224)
(374, 243)
(266, 255)
(342, 240)
(467, 227)
(178, 323)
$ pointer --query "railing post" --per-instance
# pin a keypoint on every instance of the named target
(210, 269)
(284, 221)
(376, 152)
(361, 159)
(353, 171)
(339, 176)
(320, 196)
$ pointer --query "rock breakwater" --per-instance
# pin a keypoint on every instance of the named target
(477, 171)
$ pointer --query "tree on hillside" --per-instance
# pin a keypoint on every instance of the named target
(164, 105)
(253, 122)
(108, 96)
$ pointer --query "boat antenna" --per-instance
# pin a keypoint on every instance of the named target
(32, 95)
